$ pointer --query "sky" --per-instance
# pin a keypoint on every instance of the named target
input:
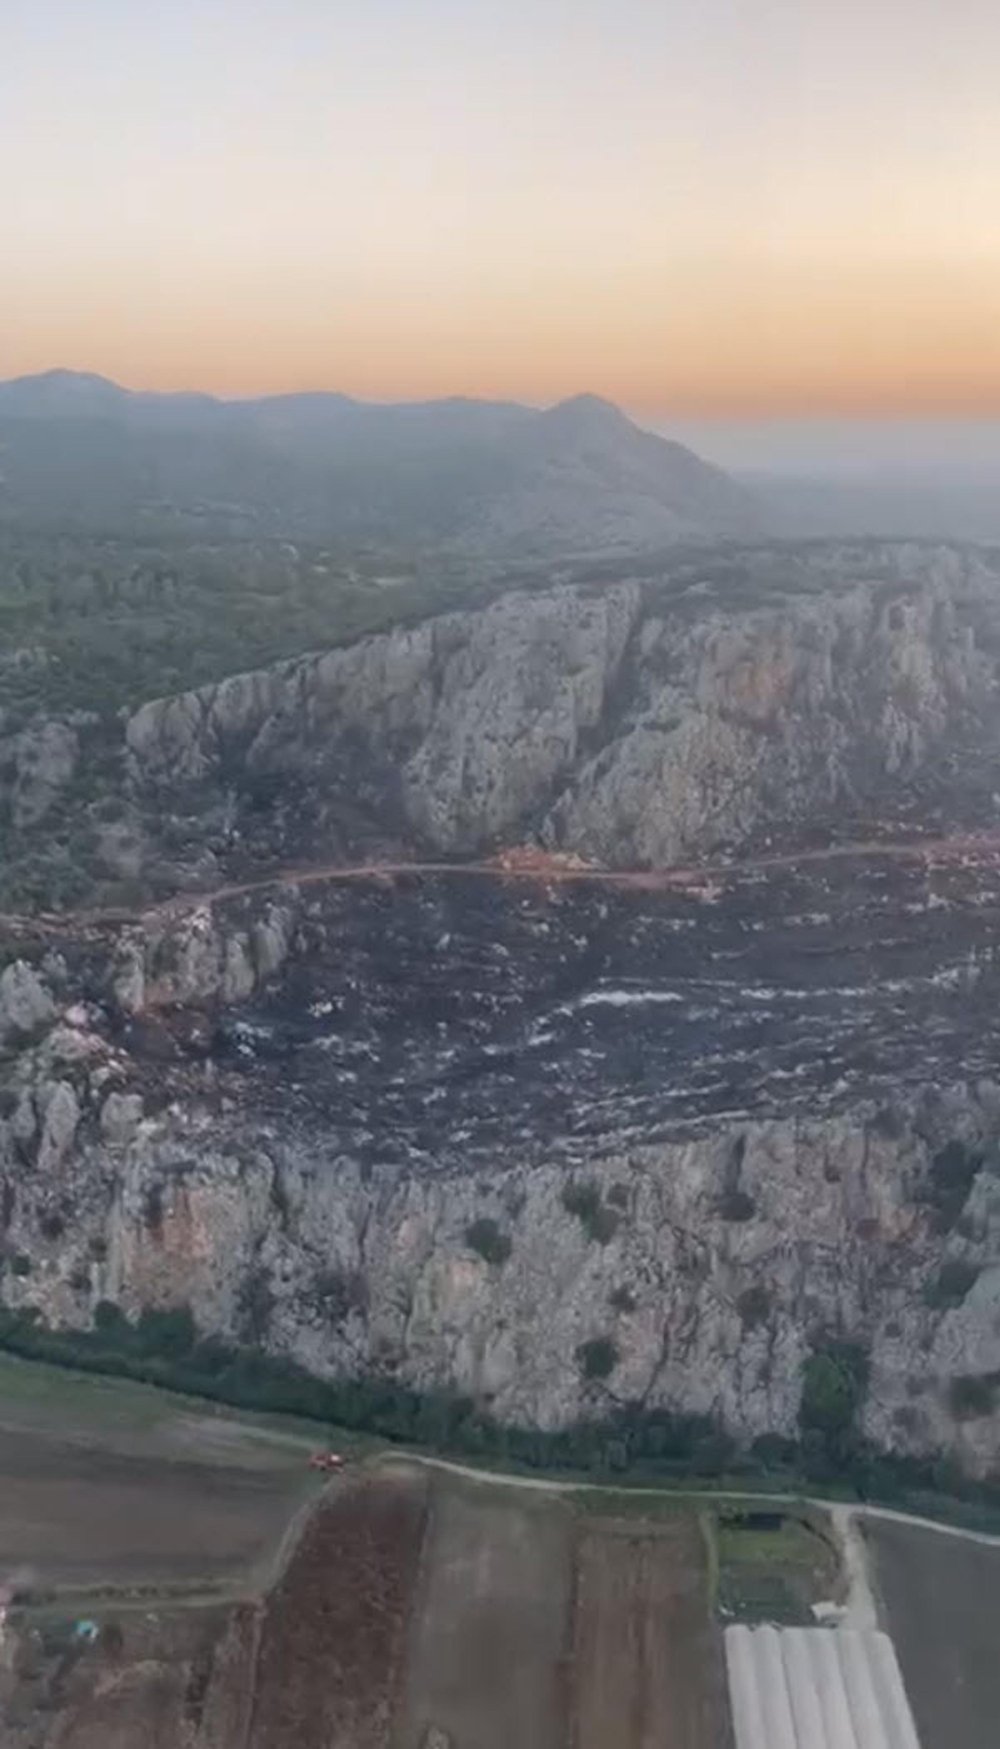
(703, 209)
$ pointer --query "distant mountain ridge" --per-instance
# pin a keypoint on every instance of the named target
(487, 477)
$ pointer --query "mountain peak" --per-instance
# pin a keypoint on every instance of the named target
(586, 413)
(55, 392)
(71, 381)
(482, 476)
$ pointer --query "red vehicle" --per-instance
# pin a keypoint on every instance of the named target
(327, 1462)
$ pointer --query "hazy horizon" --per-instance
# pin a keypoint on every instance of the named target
(691, 209)
(844, 449)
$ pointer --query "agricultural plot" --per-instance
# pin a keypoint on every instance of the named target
(154, 1677)
(410, 1612)
(773, 1565)
(805, 1688)
(551, 1622)
(489, 1635)
(108, 1484)
(646, 1667)
(333, 1630)
(941, 1600)
(238, 1603)
(70, 1516)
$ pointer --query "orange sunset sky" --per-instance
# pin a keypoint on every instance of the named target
(691, 206)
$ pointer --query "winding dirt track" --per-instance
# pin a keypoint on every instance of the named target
(537, 871)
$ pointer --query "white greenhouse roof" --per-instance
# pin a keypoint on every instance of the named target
(816, 1688)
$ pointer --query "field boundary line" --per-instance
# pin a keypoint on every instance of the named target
(546, 1484)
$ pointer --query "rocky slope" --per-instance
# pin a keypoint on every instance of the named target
(454, 1129)
(728, 700)
(628, 726)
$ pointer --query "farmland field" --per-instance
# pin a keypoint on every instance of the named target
(155, 1678)
(114, 1485)
(941, 1599)
(69, 1516)
(230, 1600)
(773, 1574)
(333, 1629)
(412, 1611)
(646, 1657)
(489, 1630)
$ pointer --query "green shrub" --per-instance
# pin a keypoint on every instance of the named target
(834, 1380)
(828, 1395)
(622, 1299)
(954, 1280)
(754, 1306)
(152, 1208)
(774, 1451)
(339, 1292)
(597, 1358)
(255, 1304)
(736, 1205)
(168, 1333)
(488, 1239)
(950, 1179)
(20, 1263)
(583, 1199)
(973, 1395)
(618, 1196)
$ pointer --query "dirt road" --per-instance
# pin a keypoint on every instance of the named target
(842, 1513)
(535, 871)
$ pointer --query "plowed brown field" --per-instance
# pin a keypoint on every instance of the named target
(334, 1628)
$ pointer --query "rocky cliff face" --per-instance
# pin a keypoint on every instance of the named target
(633, 725)
(452, 1135)
(454, 1129)
(731, 699)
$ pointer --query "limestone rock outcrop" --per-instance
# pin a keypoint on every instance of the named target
(637, 726)
(451, 1130)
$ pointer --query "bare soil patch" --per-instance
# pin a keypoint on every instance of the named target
(941, 1596)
